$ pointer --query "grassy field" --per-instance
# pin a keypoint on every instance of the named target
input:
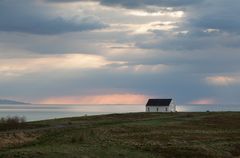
(135, 135)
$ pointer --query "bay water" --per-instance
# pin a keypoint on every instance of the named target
(36, 112)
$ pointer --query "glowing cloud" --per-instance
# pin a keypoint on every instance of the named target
(204, 101)
(221, 80)
(158, 25)
(99, 99)
(174, 14)
(11, 67)
(144, 68)
(211, 30)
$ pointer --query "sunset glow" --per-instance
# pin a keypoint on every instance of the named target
(99, 99)
(204, 101)
(221, 80)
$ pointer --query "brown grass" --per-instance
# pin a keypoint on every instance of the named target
(16, 138)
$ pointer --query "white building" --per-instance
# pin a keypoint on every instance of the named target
(160, 105)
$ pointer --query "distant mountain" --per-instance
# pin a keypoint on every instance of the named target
(4, 101)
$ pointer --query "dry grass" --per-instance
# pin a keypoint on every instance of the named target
(213, 135)
(16, 138)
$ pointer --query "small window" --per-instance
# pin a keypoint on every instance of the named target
(148, 109)
(166, 109)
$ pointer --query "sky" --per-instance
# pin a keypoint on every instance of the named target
(120, 52)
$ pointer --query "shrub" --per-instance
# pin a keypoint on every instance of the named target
(12, 122)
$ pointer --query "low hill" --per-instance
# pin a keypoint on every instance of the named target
(4, 101)
(141, 135)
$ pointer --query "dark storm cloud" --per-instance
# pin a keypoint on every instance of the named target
(142, 3)
(139, 3)
(158, 84)
(209, 25)
(32, 17)
(222, 15)
(228, 22)
(181, 85)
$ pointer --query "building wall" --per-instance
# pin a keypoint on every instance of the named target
(157, 109)
(172, 107)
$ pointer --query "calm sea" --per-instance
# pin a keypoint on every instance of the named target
(42, 112)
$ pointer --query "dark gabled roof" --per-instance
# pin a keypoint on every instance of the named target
(158, 102)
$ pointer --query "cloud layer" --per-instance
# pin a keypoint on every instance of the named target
(34, 17)
(107, 50)
(139, 3)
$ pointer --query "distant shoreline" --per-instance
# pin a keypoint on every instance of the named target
(12, 102)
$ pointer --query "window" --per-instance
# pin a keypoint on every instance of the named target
(148, 109)
(166, 109)
(157, 109)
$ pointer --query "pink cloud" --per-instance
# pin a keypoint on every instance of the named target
(204, 101)
(98, 99)
(221, 80)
